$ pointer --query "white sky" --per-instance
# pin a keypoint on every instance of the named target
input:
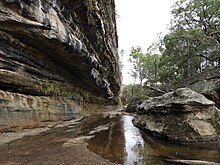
(139, 24)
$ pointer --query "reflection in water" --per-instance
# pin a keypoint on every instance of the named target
(133, 142)
(116, 139)
(110, 143)
(125, 144)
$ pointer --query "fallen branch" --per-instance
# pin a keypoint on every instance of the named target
(155, 89)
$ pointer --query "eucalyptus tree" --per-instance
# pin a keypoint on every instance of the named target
(145, 66)
(201, 18)
(193, 43)
(135, 58)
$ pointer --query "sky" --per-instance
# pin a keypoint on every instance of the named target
(138, 24)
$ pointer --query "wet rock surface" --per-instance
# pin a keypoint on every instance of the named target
(180, 116)
(101, 139)
(65, 144)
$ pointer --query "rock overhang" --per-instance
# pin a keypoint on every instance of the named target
(77, 36)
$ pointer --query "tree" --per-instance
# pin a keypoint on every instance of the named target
(203, 18)
(132, 91)
(145, 66)
(135, 58)
(193, 43)
(191, 46)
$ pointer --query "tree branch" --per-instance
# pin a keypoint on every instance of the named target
(155, 89)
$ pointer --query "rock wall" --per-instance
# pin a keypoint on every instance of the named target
(20, 111)
(52, 48)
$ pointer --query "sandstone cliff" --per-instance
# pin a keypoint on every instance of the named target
(54, 49)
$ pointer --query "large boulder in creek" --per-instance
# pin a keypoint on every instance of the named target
(180, 116)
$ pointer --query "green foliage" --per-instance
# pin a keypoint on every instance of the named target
(193, 43)
(133, 91)
(134, 59)
(145, 66)
(191, 46)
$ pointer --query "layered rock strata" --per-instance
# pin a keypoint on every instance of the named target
(180, 116)
(54, 49)
(206, 83)
(18, 111)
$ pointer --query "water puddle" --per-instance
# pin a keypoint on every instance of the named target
(125, 144)
(113, 137)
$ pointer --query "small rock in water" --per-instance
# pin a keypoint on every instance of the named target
(78, 140)
(101, 128)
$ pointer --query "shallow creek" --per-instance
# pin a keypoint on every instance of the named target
(112, 137)
(125, 144)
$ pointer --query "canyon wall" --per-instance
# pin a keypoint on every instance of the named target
(56, 54)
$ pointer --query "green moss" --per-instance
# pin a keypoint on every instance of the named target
(89, 4)
(49, 1)
(107, 57)
(117, 100)
(12, 39)
(54, 88)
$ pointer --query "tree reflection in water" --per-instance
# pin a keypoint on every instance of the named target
(125, 144)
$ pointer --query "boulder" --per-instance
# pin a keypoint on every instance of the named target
(133, 105)
(180, 116)
(206, 83)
